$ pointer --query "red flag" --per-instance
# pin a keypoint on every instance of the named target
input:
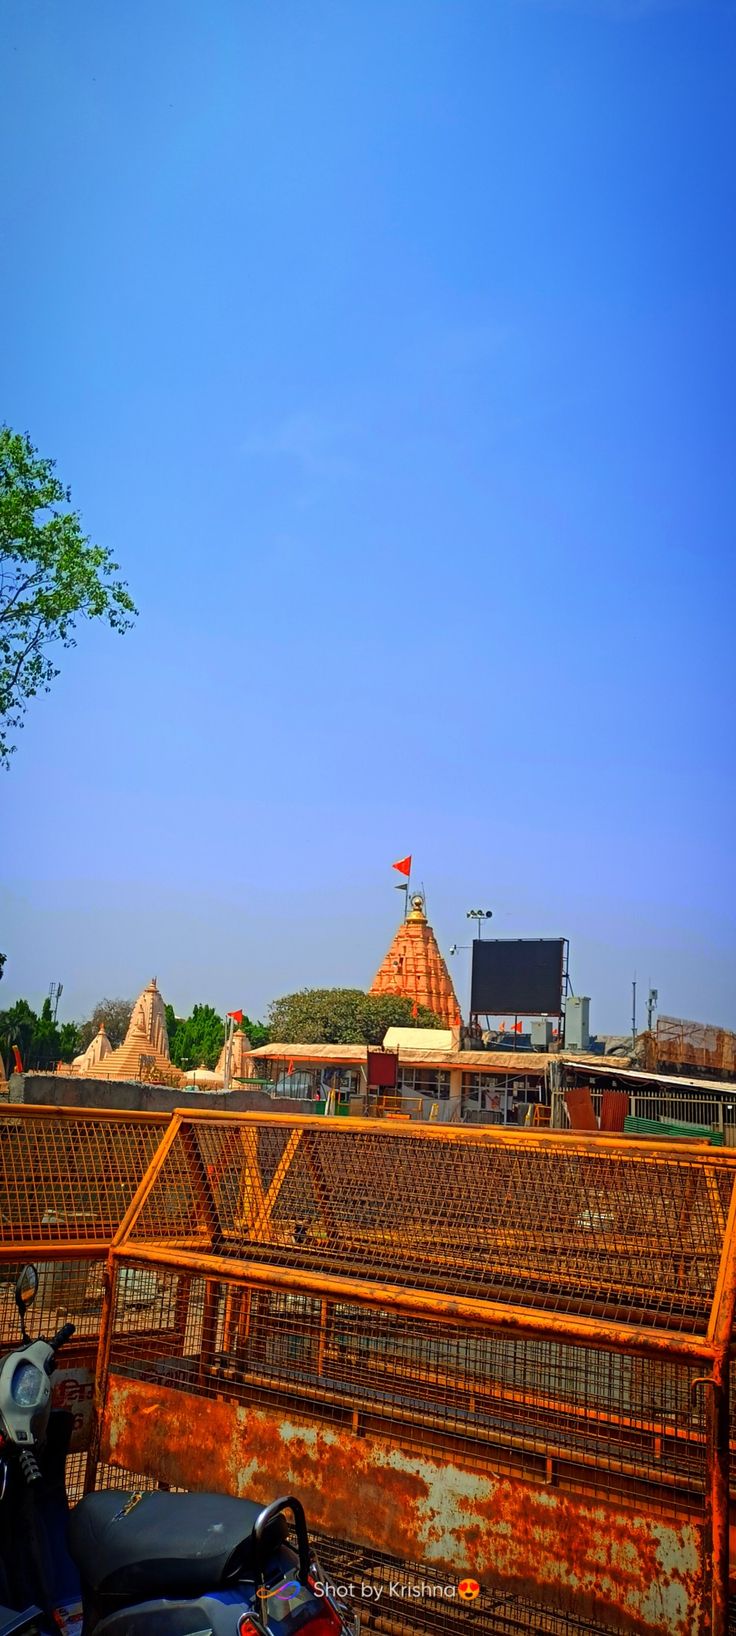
(415, 1010)
(403, 865)
(290, 1068)
(237, 1016)
(518, 1028)
(18, 1062)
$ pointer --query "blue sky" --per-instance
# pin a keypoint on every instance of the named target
(390, 348)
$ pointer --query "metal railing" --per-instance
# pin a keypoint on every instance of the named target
(668, 1104)
(67, 1178)
(497, 1348)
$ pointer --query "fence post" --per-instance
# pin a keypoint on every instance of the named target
(717, 1497)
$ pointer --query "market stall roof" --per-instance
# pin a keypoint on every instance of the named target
(487, 1062)
(620, 1066)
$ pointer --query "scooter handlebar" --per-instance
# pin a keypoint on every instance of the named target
(62, 1336)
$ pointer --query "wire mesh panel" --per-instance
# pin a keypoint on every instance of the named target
(683, 1043)
(68, 1177)
(400, 1598)
(583, 1418)
(66, 1181)
(433, 1439)
(608, 1230)
(457, 1347)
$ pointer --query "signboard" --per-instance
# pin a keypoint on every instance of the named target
(520, 977)
(74, 1389)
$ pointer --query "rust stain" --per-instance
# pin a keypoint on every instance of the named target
(637, 1569)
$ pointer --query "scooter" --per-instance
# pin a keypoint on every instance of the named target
(124, 1563)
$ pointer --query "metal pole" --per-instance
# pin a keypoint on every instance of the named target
(633, 1015)
(229, 1030)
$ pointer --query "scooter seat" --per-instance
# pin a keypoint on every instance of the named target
(165, 1544)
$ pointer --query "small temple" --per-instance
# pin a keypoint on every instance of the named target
(213, 1079)
(415, 969)
(96, 1051)
(145, 1049)
(239, 1057)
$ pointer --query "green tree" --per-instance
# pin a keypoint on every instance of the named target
(172, 1024)
(18, 1027)
(198, 1039)
(257, 1032)
(115, 1014)
(343, 1016)
(69, 1042)
(40, 1040)
(201, 1032)
(51, 575)
(46, 1047)
(3, 958)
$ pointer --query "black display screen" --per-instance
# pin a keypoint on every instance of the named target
(520, 977)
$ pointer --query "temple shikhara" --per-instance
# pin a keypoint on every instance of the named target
(415, 969)
(96, 1051)
(238, 1067)
(144, 1051)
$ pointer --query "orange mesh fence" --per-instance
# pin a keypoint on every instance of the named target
(457, 1346)
(66, 1177)
(66, 1181)
(611, 1230)
(591, 1421)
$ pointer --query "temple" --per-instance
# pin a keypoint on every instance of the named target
(144, 1053)
(239, 1058)
(99, 1047)
(415, 969)
(149, 1013)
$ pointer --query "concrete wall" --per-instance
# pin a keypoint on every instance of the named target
(70, 1092)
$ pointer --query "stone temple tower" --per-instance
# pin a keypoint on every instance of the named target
(149, 1015)
(415, 968)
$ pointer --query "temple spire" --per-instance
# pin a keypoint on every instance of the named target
(415, 969)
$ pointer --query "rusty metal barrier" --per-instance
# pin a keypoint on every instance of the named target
(679, 1043)
(66, 1181)
(481, 1351)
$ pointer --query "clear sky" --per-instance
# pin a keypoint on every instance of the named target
(389, 345)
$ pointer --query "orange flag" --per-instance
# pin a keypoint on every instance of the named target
(415, 1010)
(290, 1068)
(403, 865)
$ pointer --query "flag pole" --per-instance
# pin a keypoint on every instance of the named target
(230, 1026)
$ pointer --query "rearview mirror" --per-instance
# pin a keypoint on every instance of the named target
(26, 1289)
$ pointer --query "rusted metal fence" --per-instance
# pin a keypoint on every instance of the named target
(679, 1043)
(484, 1352)
(66, 1180)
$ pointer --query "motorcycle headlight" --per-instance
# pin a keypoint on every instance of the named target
(26, 1387)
